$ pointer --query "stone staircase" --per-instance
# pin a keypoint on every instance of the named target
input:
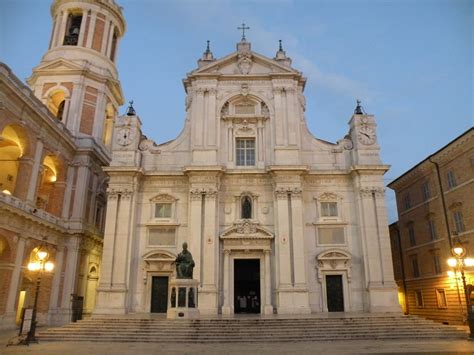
(247, 330)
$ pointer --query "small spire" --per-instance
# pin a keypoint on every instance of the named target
(359, 110)
(207, 56)
(131, 110)
(280, 56)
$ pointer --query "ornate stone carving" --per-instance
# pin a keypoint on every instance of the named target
(244, 89)
(189, 99)
(225, 110)
(328, 196)
(333, 260)
(246, 227)
(244, 62)
(302, 101)
(264, 109)
(163, 197)
(283, 192)
(149, 145)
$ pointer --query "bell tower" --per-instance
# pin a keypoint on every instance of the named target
(77, 77)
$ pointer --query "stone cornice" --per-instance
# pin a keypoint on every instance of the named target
(447, 153)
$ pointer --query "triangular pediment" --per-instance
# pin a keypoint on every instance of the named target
(58, 65)
(246, 229)
(253, 64)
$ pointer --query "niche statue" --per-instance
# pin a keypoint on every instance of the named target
(184, 264)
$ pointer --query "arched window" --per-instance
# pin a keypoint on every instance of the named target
(56, 102)
(46, 189)
(246, 207)
(11, 150)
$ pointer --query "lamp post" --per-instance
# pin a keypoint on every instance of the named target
(459, 262)
(39, 262)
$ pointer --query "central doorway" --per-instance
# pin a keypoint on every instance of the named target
(247, 285)
(159, 294)
(335, 293)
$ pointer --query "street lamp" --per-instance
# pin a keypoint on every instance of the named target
(459, 262)
(38, 262)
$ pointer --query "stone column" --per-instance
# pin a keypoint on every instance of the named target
(195, 203)
(80, 192)
(105, 36)
(68, 192)
(268, 308)
(279, 117)
(62, 29)
(32, 187)
(54, 296)
(226, 309)
(109, 240)
(198, 118)
(99, 117)
(109, 41)
(91, 32)
(10, 311)
(300, 295)
(70, 278)
(283, 238)
(208, 292)
(292, 117)
(212, 126)
(377, 257)
(23, 177)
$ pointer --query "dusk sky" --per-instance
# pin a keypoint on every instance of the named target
(409, 61)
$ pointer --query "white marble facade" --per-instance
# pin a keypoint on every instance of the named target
(245, 179)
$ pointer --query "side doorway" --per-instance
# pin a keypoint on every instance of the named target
(159, 294)
(334, 293)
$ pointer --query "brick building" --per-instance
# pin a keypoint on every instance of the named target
(428, 227)
(54, 141)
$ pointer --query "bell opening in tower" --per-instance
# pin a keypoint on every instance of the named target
(71, 38)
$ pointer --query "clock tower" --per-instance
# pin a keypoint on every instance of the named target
(125, 140)
(363, 135)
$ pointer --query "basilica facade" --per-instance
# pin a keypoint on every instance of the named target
(277, 220)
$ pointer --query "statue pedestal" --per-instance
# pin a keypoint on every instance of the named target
(183, 299)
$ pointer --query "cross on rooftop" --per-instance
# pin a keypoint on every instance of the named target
(243, 28)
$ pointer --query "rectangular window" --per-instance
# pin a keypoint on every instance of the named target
(459, 221)
(451, 179)
(416, 268)
(333, 235)
(441, 298)
(245, 151)
(163, 210)
(407, 201)
(163, 236)
(419, 298)
(411, 235)
(437, 265)
(432, 229)
(329, 209)
(425, 191)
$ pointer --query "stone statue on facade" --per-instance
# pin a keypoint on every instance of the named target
(184, 264)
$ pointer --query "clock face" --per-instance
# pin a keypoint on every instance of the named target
(366, 135)
(124, 136)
